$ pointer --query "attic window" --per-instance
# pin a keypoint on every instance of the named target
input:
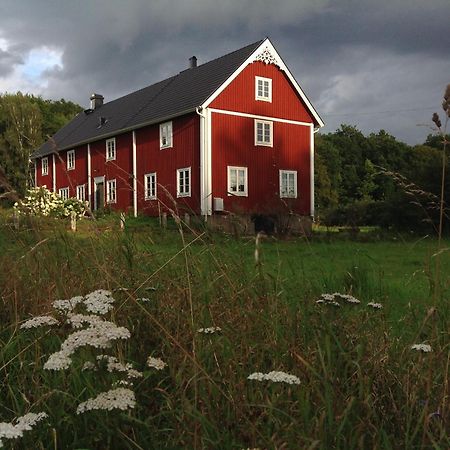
(165, 135)
(263, 89)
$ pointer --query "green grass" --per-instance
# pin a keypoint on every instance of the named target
(361, 385)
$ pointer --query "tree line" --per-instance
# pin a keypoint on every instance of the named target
(26, 121)
(378, 180)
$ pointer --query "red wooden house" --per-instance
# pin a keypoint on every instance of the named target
(234, 135)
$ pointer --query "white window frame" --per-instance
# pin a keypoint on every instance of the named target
(181, 190)
(71, 160)
(150, 186)
(111, 191)
(283, 193)
(64, 193)
(110, 145)
(238, 193)
(81, 192)
(165, 131)
(44, 166)
(264, 124)
(268, 82)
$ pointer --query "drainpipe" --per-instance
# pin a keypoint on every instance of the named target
(203, 165)
(135, 206)
(89, 176)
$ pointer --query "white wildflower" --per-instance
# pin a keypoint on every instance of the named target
(144, 300)
(375, 305)
(422, 348)
(88, 365)
(275, 376)
(39, 321)
(156, 363)
(113, 365)
(23, 423)
(347, 297)
(58, 361)
(119, 398)
(77, 320)
(67, 306)
(99, 302)
(121, 289)
(209, 330)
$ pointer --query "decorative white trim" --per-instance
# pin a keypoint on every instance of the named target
(89, 175)
(244, 193)
(254, 116)
(35, 173)
(264, 123)
(261, 50)
(267, 57)
(288, 172)
(209, 197)
(311, 167)
(135, 187)
(54, 173)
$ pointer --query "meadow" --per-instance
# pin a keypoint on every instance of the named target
(211, 310)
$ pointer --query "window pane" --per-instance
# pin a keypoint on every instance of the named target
(233, 180)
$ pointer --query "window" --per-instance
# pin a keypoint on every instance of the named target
(263, 132)
(150, 186)
(237, 181)
(64, 193)
(44, 166)
(288, 183)
(111, 192)
(81, 192)
(263, 89)
(71, 160)
(184, 182)
(110, 149)
(165, 135)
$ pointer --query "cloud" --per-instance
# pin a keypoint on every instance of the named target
(349, 56)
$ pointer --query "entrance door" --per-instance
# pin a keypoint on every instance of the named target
(99, 193)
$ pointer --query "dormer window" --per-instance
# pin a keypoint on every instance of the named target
(111, 149)
(263, 89)
(165, 135)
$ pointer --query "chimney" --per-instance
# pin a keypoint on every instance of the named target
(96, 101)
(192, 62)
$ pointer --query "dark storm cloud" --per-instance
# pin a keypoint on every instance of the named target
(365, 57)
(8, 61)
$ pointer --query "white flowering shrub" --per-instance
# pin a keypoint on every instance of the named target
(42, 202)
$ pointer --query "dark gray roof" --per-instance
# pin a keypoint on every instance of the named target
(174, 96)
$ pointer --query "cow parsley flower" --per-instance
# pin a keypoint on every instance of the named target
(99, 302)
(375, 305)
(347, 297)
(58, 361)
(77, 320)
(113, 365)
(39, 321)
(422, 348)
(209, 330)
(275, 376)
(67, 306)
(119, 398)
(156, 363)
(89, 365)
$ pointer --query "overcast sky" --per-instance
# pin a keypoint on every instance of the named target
(376, 64)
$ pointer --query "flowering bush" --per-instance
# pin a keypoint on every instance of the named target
(42, 202)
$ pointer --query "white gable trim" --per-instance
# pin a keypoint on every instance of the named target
(267, 54)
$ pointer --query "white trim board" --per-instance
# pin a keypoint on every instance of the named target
(266, 46)
(254, 116)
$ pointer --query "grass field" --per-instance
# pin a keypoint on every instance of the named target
(361, 384)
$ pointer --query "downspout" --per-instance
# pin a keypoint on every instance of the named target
(203, 164)
(89, 175)
(135, 205)
(54, 173)
(311, 165)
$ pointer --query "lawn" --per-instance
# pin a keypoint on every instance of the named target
(360, 383)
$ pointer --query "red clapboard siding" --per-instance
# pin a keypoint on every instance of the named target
(240, 95)
(120, 169)
(71, 178)
(44, 180)
(185, 152)
(233, 145)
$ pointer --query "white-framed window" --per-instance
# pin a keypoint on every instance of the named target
(150, 186)
(81, 192)
(288, 183)
(110, 149)
(111, 191)
(237, 181)
(71, 160)
(165, 135)
(64, 193)
(263, 132)
(263, 89)
(184, 182)
(44, 166)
